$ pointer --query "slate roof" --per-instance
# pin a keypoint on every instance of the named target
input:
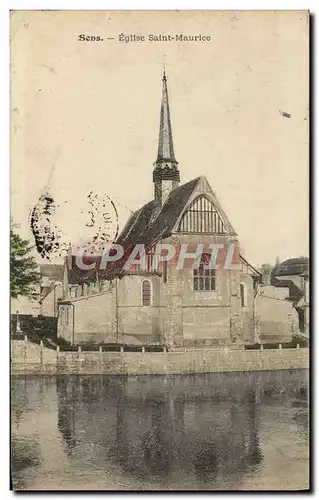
(152, 222)
(146, 226)
(292, 267)
(77, 275)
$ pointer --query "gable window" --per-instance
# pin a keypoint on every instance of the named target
(204, 278)
(146, 293)
(202, 217)
(242, 296)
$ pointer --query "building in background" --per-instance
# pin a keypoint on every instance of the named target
(293, 274)
(43, 304)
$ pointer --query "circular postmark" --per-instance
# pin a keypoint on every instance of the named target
(102, 221)
(92, 224)
(48, 237)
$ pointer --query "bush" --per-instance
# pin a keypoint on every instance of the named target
(154, 348)
(90, 346)
(111, 347)
(284, 345)
(65, 345)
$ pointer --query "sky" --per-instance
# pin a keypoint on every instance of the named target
(85, 116)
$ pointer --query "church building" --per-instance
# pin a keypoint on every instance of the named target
(191, 306)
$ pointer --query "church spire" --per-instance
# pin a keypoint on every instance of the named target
(165, 141)
(165, 167)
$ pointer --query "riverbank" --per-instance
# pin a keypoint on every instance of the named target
(29, 358)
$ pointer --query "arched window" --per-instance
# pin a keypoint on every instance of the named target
(202, 217)
(146, 293)
(204, 278)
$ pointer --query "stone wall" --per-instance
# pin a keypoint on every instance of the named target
(112, 314)
(248, 310)
(206, 316)
(277, 317)
(142, 322)
(48, 305)
(174, 307)
(31, 358)
(94, 317)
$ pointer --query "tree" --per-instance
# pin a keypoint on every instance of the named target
(266, 270)
(24, 276)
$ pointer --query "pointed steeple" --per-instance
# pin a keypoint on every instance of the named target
(165, 167)
(165, 140)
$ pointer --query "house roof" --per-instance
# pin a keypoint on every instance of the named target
(292, 267)
(52, 271)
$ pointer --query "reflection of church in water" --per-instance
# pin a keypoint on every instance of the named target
(161, 428)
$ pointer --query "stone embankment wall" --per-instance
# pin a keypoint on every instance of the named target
(29, 358)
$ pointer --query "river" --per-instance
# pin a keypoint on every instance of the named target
(235, 432)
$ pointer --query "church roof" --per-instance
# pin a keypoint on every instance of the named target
(145, 226)
(148, 225)
(153, 222)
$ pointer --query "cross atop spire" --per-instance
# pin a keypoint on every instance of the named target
(164, 76)
(165, 152)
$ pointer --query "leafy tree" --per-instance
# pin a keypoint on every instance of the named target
(266, 270)
(23, 269)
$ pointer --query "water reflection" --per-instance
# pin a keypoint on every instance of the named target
(164, 428)
(25, 453)
(66, 412)
(197, 431)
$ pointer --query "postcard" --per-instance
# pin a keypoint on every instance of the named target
(159, 250)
